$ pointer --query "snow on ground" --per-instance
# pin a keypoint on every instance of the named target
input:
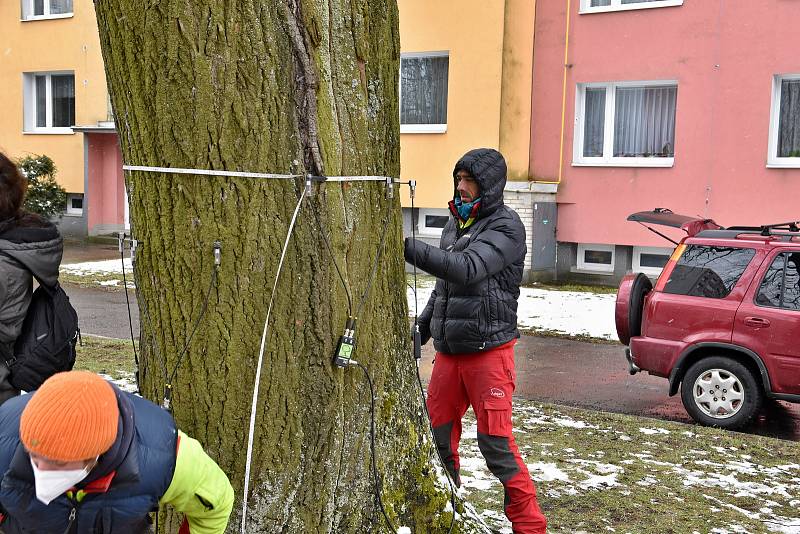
(565, 312)
(567, 473)
(97, 267)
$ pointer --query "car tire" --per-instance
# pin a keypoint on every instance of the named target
(629, 307)
(641, 287)
(719, 391)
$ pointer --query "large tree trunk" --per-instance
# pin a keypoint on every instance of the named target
(274, 86)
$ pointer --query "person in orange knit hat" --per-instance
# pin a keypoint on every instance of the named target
(80, 455)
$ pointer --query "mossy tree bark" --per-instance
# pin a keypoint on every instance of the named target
(300, 86)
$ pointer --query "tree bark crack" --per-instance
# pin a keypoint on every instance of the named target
(307, 82)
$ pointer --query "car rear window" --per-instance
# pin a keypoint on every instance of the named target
(705, 271)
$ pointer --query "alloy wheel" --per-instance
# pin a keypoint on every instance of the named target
(718, 393)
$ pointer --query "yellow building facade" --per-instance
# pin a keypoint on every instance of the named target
(466, 70)
(42, 44)
(489, 51)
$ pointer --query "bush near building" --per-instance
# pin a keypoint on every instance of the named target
(44, 195)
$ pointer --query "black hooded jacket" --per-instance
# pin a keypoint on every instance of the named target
(28, 244)
(478, 269)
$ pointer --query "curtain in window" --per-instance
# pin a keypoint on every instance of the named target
(59, 7)
(63, 92)
(789, 122)
(594, 123)
(41, 101)
(644, 121)
(38, 7)
(600, 3)
(423, 90)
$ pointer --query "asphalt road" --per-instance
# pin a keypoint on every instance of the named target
(560, 371)
(595, 376)
(103, 312)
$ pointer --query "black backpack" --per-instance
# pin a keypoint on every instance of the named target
(46, 344)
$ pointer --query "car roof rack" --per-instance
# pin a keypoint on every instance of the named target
(769, 229)
(785, 231)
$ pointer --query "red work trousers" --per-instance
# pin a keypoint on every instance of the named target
(485, 381)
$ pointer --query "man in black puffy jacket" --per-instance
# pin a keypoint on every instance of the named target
(472, 318)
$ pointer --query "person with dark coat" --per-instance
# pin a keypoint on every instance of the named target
(472, 318)
(78, 455)
(29, 245)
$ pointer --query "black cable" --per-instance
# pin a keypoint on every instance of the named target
(196, 325)
(140, 301)
(143, 306)
(335, 263)
(453, 494)
(372, 450)
(451, 482)
(128, 301)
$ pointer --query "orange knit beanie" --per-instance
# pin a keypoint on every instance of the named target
(72, 416)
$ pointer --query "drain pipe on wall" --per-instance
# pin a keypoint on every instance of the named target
(563, 120)
(564, 96)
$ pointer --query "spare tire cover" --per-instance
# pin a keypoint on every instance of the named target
(630, 305)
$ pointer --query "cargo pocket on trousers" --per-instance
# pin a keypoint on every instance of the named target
(498, 416)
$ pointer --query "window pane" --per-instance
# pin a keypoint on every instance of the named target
(423, 90)
(769, 294)
(59, 7)
(436, 221)
(597, 256)
(600, 3)
(38, 7)
(644, 121)
(708, 271)
(76, 203)
(791, 293)
(63, 100)
(594, 124)
(657, 261)
(41, 101)
(789, 120)
(639, 1)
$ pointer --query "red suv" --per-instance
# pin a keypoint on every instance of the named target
(723, 319)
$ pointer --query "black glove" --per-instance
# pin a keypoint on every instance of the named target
(412, 248)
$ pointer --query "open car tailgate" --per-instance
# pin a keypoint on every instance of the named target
(665, 217)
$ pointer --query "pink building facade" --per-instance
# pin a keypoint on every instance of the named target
(692, 105)
(105, 208)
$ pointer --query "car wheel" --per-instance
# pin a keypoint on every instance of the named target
(719, 391)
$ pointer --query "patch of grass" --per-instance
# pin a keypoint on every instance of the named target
(113, 357)
(93, 280)
(582, 288)
(546, 332)
(602, 472)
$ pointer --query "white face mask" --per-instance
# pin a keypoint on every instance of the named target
(51, 484)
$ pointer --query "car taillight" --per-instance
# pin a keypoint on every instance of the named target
(669, 267)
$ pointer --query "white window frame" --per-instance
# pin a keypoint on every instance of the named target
(422, 128)
(29, 104)
(636, 265)
(617, 5)
(74, 211)
(430, 230)
(773, 161)
(578, 159)
(27, 11)
(595, 267)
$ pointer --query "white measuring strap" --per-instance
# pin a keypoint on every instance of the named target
(258, 368)
(207, 172)
(237, 174)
